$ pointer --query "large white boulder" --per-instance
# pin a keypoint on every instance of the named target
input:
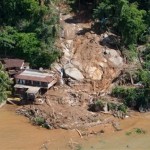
(73, 72)
(114, 57)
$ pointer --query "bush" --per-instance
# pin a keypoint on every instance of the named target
(139, 131)
(133, 97)
(39, 121)
(122, 108)
(119, 92)
(96, 106)
(112, 106)
(116, 107)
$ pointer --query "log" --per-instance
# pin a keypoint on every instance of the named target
(79, 133)
(11, 102)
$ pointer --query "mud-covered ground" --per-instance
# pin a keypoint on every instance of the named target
(65, 107)
(18, 134)
(89, 65)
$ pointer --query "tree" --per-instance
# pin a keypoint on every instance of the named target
(4, 84)
(6, 39)
(123, 18)
(29, 31)
(131, 24)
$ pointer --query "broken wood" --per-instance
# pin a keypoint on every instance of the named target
(48, 102)
(11, 102)
(79, 133)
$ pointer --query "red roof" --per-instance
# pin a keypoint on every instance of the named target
(13, 63)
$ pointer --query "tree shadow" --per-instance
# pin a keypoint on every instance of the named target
(83, 31)
(111, 41)
(81, 17)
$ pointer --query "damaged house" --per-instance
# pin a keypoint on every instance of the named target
(13, 66)
(30, 83)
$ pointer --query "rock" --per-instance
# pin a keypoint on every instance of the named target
(105, 108)
(114, 57)
(103, 65)
(69, 44)
(73, 72)
(69, 31)
(94, 73)
(66, 51)
(57, 67)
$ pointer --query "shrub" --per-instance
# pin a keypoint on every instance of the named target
(122, 108)
(96, 106)
(119, 92)
(39, 121)
(112, 106)
(139, 131)
(133, 97)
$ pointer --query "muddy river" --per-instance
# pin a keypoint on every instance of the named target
(16, 133)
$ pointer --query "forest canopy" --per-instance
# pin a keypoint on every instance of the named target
(28, 30)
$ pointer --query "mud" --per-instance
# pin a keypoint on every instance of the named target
(18, 134)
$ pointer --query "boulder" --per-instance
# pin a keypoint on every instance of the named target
(114, 57)
(94, 73)
(73, 72)
(69, 31)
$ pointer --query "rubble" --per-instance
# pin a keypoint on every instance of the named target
(86, 71)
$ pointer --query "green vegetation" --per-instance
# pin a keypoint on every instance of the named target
(39, 121)
(96, 106)
(78, 147)
(117, 107)
(99, 104)
(137, 97)
(128, 133)
(137, 131)
(123, 18)
(4, 84)
(134, 97)
(28, 30)
(128, 19)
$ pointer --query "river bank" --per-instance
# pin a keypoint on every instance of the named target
(18, 134)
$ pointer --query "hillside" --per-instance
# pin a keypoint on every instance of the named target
(92, 47)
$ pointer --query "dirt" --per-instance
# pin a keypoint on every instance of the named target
(18, 134)
(89, 70)
(65, 108)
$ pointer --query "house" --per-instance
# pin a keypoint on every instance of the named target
(30, 83)
(13, 66)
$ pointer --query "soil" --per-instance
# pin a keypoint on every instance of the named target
(66, 105)
(66, 108)
(18, 134)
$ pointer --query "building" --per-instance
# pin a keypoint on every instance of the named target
(13, 66)
(30, 83)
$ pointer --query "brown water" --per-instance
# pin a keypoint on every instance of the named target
(16, 133)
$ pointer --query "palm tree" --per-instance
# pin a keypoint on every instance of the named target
(5, 83)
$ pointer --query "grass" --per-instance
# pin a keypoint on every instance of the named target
(137, 131)
(78, 147)
(128, 133)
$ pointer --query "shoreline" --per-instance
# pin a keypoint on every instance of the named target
(17, 127)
